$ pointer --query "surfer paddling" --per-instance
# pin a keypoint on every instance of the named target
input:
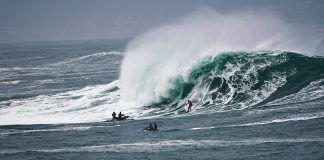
(189, 105)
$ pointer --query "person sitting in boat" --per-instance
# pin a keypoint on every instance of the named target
(149, 128)
(120, 116)
(114, 116)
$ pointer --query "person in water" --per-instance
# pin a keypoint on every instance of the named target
(114, 116)
(189, 107)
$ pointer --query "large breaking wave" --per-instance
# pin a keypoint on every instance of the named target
(165, 63)
(238, 80)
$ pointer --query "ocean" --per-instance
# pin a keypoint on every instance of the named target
(246, 105)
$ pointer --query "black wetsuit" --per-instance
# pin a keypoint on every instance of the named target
(120, 116)
(189, 107)
(149, 128)
(114, 116)
(154, 127)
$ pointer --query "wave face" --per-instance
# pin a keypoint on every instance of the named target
(237, 80)
(235, 49)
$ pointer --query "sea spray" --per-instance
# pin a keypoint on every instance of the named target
(154, 60)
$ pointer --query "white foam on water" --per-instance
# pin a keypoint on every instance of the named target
(11, 82)
(90, 104)
(201, 128)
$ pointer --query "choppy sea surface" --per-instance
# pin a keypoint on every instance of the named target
(246, 105)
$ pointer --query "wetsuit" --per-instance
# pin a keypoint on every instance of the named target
(154, 127)
(120, 116)
(189, 107)
(114, 116)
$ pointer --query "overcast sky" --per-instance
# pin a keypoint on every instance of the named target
(48, 20)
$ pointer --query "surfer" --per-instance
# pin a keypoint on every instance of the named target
(114, 116)
(189, 107)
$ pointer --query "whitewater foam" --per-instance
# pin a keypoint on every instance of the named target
(90, 104)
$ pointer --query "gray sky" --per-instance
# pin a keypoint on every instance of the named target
(47, 20)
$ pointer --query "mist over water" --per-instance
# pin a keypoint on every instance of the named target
(163, 54)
